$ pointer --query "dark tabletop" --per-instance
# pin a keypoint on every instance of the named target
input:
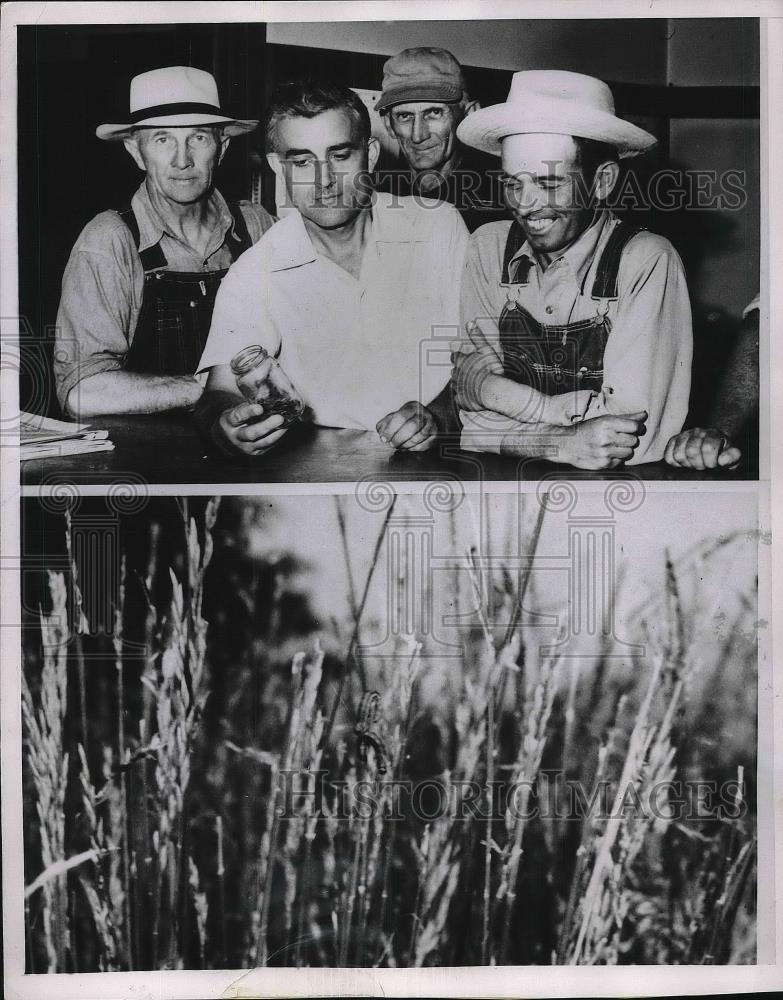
(165, 448)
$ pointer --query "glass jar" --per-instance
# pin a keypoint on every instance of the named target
(261, 380)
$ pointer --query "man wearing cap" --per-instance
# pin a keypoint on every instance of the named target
(579, 326)
(423, 101)
(140, 284)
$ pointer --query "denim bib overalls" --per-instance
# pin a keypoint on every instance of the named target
(558, 358)
(177, 307)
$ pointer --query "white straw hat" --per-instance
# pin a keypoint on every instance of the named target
(554, 101)
(177, 96)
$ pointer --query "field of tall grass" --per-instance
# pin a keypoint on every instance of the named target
(219, 777)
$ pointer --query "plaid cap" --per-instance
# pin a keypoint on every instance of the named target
(421, 74)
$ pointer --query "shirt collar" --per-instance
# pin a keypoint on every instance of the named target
(391, 223)
(580, 255)
(152, 227)
(444, 180)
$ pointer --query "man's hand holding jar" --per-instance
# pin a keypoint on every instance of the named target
(271, 405)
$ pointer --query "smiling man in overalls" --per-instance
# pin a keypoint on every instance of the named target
(140, 284)
(579, 338)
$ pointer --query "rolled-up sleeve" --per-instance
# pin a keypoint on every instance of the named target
(102, 291)
(647, 361)
(482, 299)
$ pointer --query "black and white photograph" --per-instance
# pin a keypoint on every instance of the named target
(608, 318)
(379, 730)
(388, 526)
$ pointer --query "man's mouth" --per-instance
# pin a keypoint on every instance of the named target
(539, 226)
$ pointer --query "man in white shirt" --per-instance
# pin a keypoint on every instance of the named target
(355, 292)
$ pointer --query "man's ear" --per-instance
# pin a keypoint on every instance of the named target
(469, 107)
(606, 177)
(274, 161)
(224, 141)
(387, 122)
(373, 152)
(132, 145)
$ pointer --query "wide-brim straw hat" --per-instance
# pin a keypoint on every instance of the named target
(558, 102)
(177, 96)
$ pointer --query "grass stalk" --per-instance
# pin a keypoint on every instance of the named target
(44, 725)
(268, 861)
(423, 855)
(79, 627)
(117, 642)
(486, 929)
(347, 921)
(589, 835)
(525, 772)
(637, 749)
(221, 880)
(271, 848)
(408, 694)
(355, 635)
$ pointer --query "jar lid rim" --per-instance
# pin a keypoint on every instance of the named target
(248, 356)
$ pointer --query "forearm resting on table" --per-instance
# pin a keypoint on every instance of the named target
(550, 441)
(519, 439)
(130, 392)
(528, 406)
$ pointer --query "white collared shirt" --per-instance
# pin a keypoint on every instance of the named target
(355, 350)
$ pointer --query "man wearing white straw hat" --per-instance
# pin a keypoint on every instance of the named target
(579, 338)
(140, 284)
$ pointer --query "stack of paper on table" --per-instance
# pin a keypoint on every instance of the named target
(43, 437)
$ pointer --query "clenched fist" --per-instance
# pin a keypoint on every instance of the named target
(604, 442)
(702, 448)
(411, 428)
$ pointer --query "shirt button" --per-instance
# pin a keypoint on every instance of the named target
(193, 303)
(550, 309)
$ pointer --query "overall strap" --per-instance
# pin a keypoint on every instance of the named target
(605, 284)
(243, 242)
(153, 258)
(516, 238)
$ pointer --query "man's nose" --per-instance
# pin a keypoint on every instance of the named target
(529, 197)
(325, 174)
(183, 156)
(421, 129)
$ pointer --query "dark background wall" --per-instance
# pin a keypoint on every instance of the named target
(693, 82)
